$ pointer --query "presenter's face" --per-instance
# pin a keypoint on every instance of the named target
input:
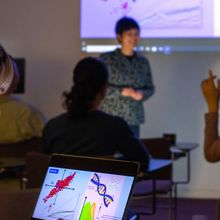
(130, 38)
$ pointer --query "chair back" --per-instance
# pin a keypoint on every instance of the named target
(20, 149)
(160, 148)
(36, 165)
(17, 204)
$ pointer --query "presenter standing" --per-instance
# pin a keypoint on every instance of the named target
(130, 78)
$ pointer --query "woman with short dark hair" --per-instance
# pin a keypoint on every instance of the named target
(130, 78)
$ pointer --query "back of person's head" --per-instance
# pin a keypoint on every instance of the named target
(125, 24)
(9, 75)
(90, 77)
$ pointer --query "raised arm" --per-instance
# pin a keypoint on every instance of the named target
(211, 138)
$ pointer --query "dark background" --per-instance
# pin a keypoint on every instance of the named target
(21, 67)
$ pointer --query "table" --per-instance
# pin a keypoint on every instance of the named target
(154, 165)
(183, 149)
(8, 163)
(157, 164)
(179, 150)
(151, 174)
(13, 165)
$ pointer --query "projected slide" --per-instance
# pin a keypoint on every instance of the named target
(157, 18)
(75, 194)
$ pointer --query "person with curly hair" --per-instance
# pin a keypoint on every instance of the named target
(85, 130)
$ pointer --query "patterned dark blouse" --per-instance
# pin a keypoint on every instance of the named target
(132, 72)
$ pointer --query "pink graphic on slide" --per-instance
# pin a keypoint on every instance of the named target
(123, 4)
(60, 185)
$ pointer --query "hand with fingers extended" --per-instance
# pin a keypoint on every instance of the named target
(211, 92)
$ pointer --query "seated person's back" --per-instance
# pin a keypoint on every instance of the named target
(19, 121)
(83, 129)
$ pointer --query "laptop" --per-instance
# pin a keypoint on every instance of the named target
(85, 188)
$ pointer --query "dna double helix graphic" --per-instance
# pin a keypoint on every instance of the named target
(101, 188)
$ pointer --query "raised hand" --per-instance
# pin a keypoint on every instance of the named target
(211, 92)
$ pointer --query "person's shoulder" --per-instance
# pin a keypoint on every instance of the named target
(54, 125)
(142, 60)
(24, 112)
(106, 116)
(57, 120)
(102, 115)
(22, 106)
(141, 57)
(16, 101)
(112, 119)
(122, 126)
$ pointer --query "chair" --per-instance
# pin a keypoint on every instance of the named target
(12, 157)
(36, 167)
(17, 204)
(20, 149)
(162, 182)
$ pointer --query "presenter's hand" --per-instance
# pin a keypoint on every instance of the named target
(211, 92)
(134, 94)
(127, 92)
(138, 95)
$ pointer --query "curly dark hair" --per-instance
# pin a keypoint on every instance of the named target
(90, 75)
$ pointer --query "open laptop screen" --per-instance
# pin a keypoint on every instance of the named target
(76, 194)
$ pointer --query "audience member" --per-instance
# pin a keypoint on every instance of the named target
(85, 130)
(130, 78)
(211, 93)
(18, 121)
